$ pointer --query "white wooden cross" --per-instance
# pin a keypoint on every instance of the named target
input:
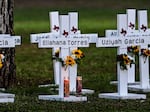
(143, 63)
(54, 26)
(64, 43)
(131, 15)
(8, 41)
(75, 32)
(122, 43)
(54, 22)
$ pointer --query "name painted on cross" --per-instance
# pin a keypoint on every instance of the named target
(63, 42)
(35, 37)
(7, 42)
(126, 41)
(91, 37)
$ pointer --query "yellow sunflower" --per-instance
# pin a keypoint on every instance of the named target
(136, 49)
(133, 50)
(125, 57)
(124, 60)
(146, 52)
(127, 61)
(1, 57)
(78, 53)
(69, 61)
(1, 65)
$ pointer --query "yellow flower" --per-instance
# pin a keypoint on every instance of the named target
(124, 60)
(146, 52)
(78, 53)
(136, 49)
(70, 61)
(1, 58)
(125, 57)
(1, 65)
(127, 61)
(133, 49)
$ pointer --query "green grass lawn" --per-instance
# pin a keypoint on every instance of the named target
(34, 66)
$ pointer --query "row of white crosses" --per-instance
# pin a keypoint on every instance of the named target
(73, 29)
(8, 41)
(142, 31)
(131, 15)
(124, 31)
(122, 40)
(66, 31)
(143, 64)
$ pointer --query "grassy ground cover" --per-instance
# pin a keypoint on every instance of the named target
(34, 66)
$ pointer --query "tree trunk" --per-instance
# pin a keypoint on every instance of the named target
(8, 70)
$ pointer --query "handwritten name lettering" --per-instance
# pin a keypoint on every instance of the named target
(48, 42)
(63, 43)
(125, 41)
(114, 33)
(3, 42)
(133, 41)
(111, 42)
(35, 37)
(84, 42)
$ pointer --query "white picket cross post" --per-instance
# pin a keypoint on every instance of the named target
(143, 64)
(55, 29)
(131, 15)
(64, 52)
(144, 67)
(131, 19)
(54, 22)
(73, 29)
(64, 43)
(122, 74)
(122, 43)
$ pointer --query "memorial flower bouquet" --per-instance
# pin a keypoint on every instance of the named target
(74, 58)
(124, 60)
(145, 53)
(78, 55)
(133, 50)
